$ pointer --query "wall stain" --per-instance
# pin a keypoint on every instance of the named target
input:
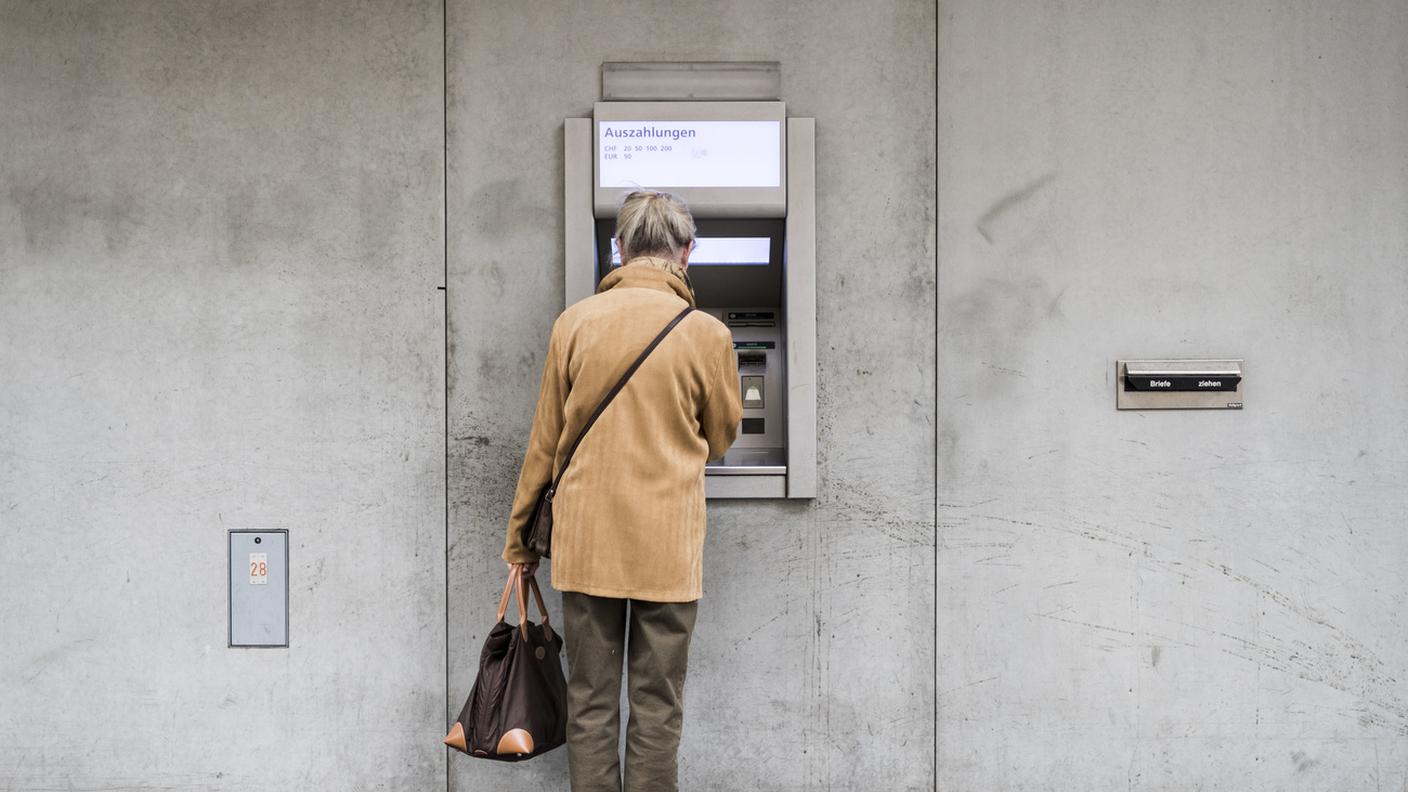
(51, 214)
(1302, 761)
(1010, 201)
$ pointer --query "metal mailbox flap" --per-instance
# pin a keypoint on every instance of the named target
(1182, 375)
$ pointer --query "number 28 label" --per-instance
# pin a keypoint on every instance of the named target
(259, 569)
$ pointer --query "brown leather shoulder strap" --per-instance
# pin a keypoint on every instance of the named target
(610, 395)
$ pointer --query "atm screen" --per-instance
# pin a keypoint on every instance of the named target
(689, 154)
(734, 257)
(727, 251)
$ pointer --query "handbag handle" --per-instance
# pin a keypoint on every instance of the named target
(515, 576)
(508, 589)
(610, 395)
(538, 595)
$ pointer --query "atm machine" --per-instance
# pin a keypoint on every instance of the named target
(748, 174)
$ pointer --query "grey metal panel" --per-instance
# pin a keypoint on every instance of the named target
(258, 611)
(745, 470)
(697, 81)
(703, 201)
(579, 255)
(745, 486)
(1231, 368)
(800, 294)
(769, 446)
(1179, 400)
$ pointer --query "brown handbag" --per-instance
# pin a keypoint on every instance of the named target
(537, 532)
(517, 708)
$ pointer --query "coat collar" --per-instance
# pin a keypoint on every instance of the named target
(650, 272)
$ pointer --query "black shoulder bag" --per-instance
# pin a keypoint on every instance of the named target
(537, 533)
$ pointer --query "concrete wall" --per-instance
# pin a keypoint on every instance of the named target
(812, 661)
(220, 242)
(1173, 600)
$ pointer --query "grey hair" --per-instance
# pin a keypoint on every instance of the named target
(652, 223)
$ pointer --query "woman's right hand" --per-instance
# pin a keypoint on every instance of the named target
(526, 569)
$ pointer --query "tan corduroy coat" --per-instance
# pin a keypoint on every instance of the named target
(628, 517)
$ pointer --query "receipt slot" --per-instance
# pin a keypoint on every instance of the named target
(748, 174)
(1178, 384)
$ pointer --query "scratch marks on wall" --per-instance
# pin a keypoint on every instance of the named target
(1311, 647)
(1078, 563)
(1091, 625)
(966, 685)
(61, 653)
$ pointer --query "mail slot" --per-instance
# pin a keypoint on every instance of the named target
(1181, 375)
(1178, 384)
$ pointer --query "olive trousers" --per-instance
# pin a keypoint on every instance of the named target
(654, 638)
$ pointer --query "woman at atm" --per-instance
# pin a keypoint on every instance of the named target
(628, 514)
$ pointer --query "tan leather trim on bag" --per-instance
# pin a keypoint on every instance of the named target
(515, 741)
(455, 739)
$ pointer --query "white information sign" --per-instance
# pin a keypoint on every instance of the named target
(689, 154)
(259, 569)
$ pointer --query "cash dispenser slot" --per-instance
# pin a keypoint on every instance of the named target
(752, 360)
